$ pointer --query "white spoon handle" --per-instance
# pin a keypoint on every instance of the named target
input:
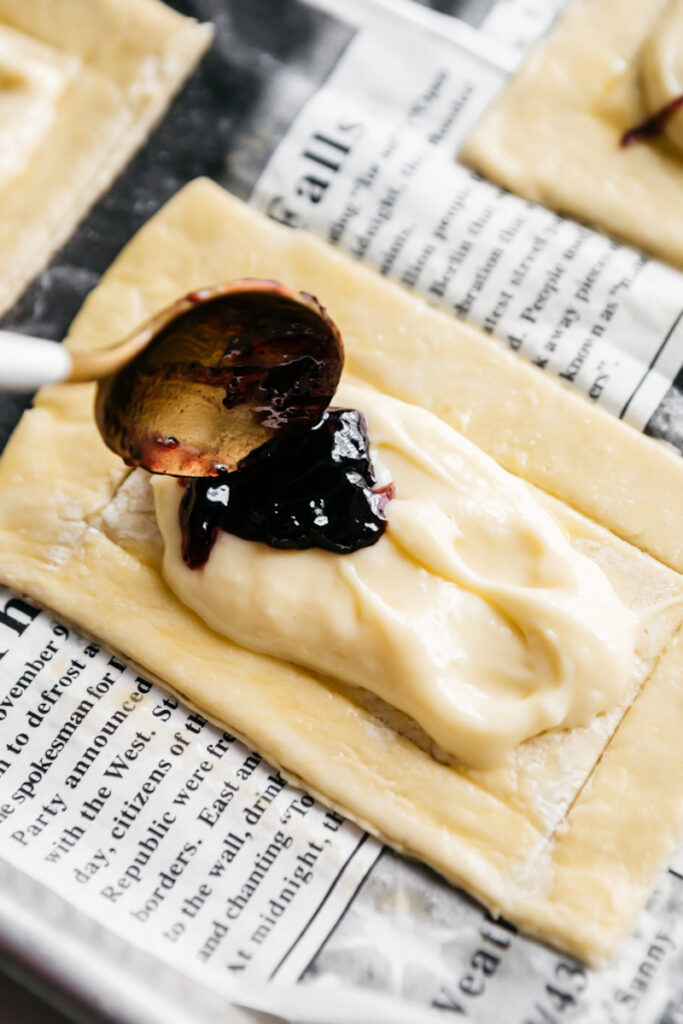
(27, 363)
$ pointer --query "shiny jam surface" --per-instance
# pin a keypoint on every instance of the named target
(314, 489)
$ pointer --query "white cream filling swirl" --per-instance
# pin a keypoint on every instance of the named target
(662, 69)
(473, 614)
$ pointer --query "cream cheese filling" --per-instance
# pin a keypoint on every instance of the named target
(473, 614)
(662, 69)
(32, 78)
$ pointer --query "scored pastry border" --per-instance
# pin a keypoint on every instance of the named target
(587, 887)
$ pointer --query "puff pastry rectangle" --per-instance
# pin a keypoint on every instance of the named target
(81, 84)
(554, 134)
(567, 836)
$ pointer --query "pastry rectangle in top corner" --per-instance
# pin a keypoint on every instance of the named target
(555, 134)
(80, 89)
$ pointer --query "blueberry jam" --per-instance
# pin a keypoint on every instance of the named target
(316, 489)
(654, 126)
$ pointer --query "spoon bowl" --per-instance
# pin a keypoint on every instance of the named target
(214, 376)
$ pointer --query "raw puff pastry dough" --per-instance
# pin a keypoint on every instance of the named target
(553, 136)
(566, 837)
(80, 88)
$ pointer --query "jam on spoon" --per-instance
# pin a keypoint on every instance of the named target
(228, 389)
(199, 386)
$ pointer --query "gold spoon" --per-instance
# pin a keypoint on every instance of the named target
(206, 381)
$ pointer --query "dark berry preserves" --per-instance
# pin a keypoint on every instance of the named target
(314, 489)
(654, 126)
